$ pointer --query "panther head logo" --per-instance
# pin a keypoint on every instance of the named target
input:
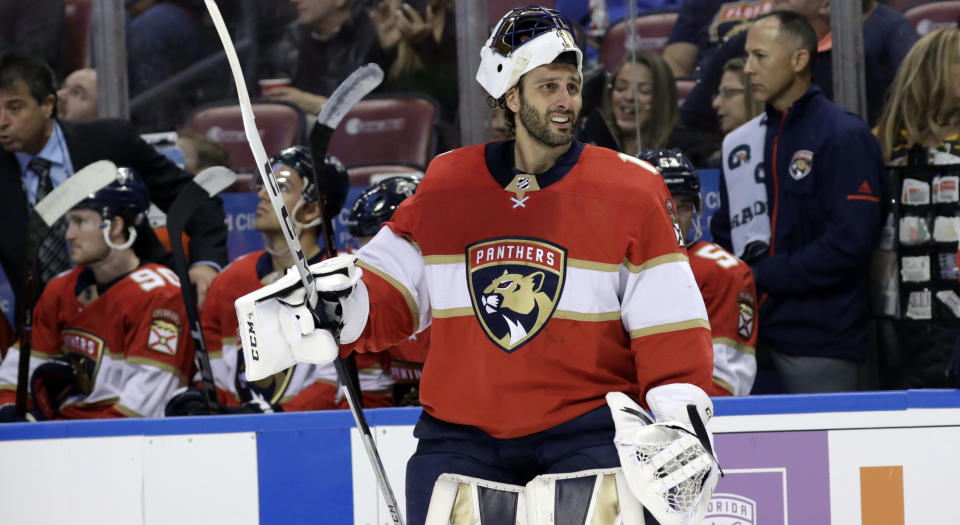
(515, 285)
(518, 299)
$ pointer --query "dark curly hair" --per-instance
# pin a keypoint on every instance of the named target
(508, 115)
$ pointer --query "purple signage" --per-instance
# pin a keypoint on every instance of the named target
(773, 478)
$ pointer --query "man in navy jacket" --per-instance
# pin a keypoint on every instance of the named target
(823, 179)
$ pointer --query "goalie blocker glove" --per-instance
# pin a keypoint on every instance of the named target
(669, 464)
(277, 328)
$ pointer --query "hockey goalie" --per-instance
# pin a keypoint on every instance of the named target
(561, 305)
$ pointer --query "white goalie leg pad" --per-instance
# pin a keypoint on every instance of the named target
(587, 497)
(277, 328)
(668, 468)
(463, 500)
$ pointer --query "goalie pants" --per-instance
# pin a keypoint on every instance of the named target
(585, 442)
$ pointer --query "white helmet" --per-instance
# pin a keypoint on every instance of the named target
(525, 38)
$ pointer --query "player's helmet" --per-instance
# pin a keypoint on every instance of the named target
(377, 203)
(127, 196)
(677, 171)
(335, 176)
(524, 39)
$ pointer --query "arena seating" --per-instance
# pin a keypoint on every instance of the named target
(76, 28)
(652, 32)
(280, 125)
(388, 129)
(935, 15)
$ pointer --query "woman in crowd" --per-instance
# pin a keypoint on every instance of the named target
(640, 103)
(923, 105)
(919, 126)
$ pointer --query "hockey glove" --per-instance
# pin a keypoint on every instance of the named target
(670, 465)
(187, 401)
(51, 384)
(277, 328)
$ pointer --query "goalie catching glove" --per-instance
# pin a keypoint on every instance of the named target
(669, 464)
(278, 330)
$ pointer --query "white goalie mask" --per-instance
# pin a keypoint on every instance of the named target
(524, 39)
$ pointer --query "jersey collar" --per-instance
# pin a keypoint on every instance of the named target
(500, 163)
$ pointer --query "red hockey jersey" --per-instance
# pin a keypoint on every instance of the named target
(304, 386)
(726, 284)
(543, 292)
(130, 347)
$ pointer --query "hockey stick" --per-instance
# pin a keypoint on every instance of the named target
(205, 185)
(293, 243)
(45, 214)
(356, 86)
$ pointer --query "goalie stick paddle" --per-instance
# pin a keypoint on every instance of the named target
(356, 86)
(273, 191)
(204, 185)
(45, 214)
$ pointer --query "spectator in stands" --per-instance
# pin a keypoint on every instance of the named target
(923, 108)
(201, 151)
(39, 152)
(335, 37)
(34, 27)
(822, 189)
(703, 25)
(920, 125)
(887, 36)
(163, 37)
(734, 102)
(303, 386)
(640, 102)
(110, 337)
(425, 46)
(77, 99)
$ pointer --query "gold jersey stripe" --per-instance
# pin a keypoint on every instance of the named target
(166, 367)
(656, 261)
(592, 318)
(218, 354)
(444, 259)
(127, 411)
(669, 327)
(578, 263)
(592, 265)
(726, 386)
(407, 296)
(447, 313)
(736, 345)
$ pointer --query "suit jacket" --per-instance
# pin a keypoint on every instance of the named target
(117, 141)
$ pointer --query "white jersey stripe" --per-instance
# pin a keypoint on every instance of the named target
(661, 296)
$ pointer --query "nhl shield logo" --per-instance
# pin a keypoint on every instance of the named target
(515, 284)
(801, 164)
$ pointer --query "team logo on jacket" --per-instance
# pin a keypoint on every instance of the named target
(164, 331)
(84, 350)
(745, 315)
(801, 164)
(515, 284)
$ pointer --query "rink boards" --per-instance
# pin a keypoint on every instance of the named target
(885, 458)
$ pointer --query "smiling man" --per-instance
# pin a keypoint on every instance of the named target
(550, 273)
(823, 187)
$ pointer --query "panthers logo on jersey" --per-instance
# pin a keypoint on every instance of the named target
(84, 350)
(515, 284)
